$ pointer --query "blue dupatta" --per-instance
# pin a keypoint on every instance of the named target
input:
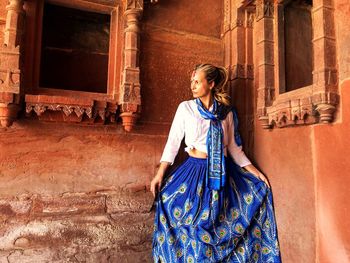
(216, 172)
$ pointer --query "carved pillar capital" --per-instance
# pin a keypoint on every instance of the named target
(133, 5)
(264, 9)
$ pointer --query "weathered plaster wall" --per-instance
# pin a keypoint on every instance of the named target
(74, 193)
(332, 168)
(285, 156)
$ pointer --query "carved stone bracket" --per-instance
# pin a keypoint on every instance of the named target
(10, 72)
(130, 95)
(56, 108)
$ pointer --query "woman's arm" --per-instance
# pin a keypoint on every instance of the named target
(176, 134)
(238, 154)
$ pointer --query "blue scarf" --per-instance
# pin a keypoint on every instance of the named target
(216, 170)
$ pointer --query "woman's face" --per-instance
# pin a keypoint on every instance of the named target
(199, 85)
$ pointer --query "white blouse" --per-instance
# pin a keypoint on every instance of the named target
(188, 122)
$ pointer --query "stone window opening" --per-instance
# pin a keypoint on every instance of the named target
(95, 47)
(78, 43)
(297, 36)
(41, 92)
(283, 98)
(75, 67)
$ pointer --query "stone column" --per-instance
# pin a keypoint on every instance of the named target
(325, 75)
(249, 74)
(130, 96)
(265, 48)
(10, 73)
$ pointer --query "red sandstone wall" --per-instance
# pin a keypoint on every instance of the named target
(309, 169)
(176, 36)
(77, 193)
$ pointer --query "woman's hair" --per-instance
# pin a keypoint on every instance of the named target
(219, 75)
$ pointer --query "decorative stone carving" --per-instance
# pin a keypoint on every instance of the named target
(227, 16)
(307, 105)
(130, 96)
(264, 9)
(250, 72)
(52, 104)
(67, 105)
(238, 71)
(326, 112)
(238, 23)
(10, 72)
(250, 19)
(70, 109)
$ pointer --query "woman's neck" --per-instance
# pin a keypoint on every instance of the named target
(207, 101)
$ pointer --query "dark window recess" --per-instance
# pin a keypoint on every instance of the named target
(74, 51)
(298, 44)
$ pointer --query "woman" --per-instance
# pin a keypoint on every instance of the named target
(211, 208)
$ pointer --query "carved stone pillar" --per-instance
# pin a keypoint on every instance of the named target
(10, 73)
(325, 76)
(130, 96)
(265, 48)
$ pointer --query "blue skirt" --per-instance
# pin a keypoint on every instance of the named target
(193, 223)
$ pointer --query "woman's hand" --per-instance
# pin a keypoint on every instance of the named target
(156, 183)
(262, 177)
(251, 168)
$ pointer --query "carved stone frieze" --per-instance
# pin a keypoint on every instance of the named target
(289, 111)
(70, 109)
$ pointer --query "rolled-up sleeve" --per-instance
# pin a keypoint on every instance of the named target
(236, 151)
(176, 134)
